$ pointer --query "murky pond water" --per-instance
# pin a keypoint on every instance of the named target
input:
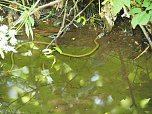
(109, 81)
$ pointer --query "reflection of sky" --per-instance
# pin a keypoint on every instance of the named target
(98, 101)
(9, 84)
(13, 92)
(95, 77)
(109, 99)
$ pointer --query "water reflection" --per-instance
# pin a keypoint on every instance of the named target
(104, 83)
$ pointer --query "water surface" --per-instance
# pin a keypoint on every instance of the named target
(109, 81)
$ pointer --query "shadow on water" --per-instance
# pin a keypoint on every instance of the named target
(106, 82)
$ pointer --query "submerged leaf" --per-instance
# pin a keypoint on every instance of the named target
(25, 99)
(58, 50)
(28, 53)
(144, 102)
(32, 45)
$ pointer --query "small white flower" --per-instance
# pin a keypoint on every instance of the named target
(4, 41)
(13, 41)
(9, 48)
(12, 33)
(3, 36)
(4, 29)
(7, 37)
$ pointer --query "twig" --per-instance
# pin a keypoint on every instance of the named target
(46, 5)
(62, 26)
(16, 3)
(75, 5)
(146, 35)
(145, 50)
(99, 6)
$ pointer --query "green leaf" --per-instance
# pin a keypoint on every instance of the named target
(31, 32)
(144, 102)
(141, 19)
(131, 76)
(150, 12)
(27, 29)
(28, 53)
(31, 20)
(23, 2)
(135, 11)
(134, 21)
(146, 3)
(149, 7)
(32, 46)
(83, 19)
(58, 50)
(127, 3)
(144, 18)
(79, 20)
(117, 6)
(139, 1)
(28, 26)
(25, 99)
(2, 54)
(150, 19)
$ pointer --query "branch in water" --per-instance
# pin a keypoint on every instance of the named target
(146, 35)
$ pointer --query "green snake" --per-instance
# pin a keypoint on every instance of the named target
(62, 53)
(82, 55)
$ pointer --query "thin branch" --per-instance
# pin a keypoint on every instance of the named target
(146, 35)
(145, 50)
(46, 5)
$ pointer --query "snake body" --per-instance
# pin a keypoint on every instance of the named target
(62, 53)
(83, 55)
(75, 55)
(88, 53)
(79, 55)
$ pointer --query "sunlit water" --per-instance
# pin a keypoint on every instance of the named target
(109, 81)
